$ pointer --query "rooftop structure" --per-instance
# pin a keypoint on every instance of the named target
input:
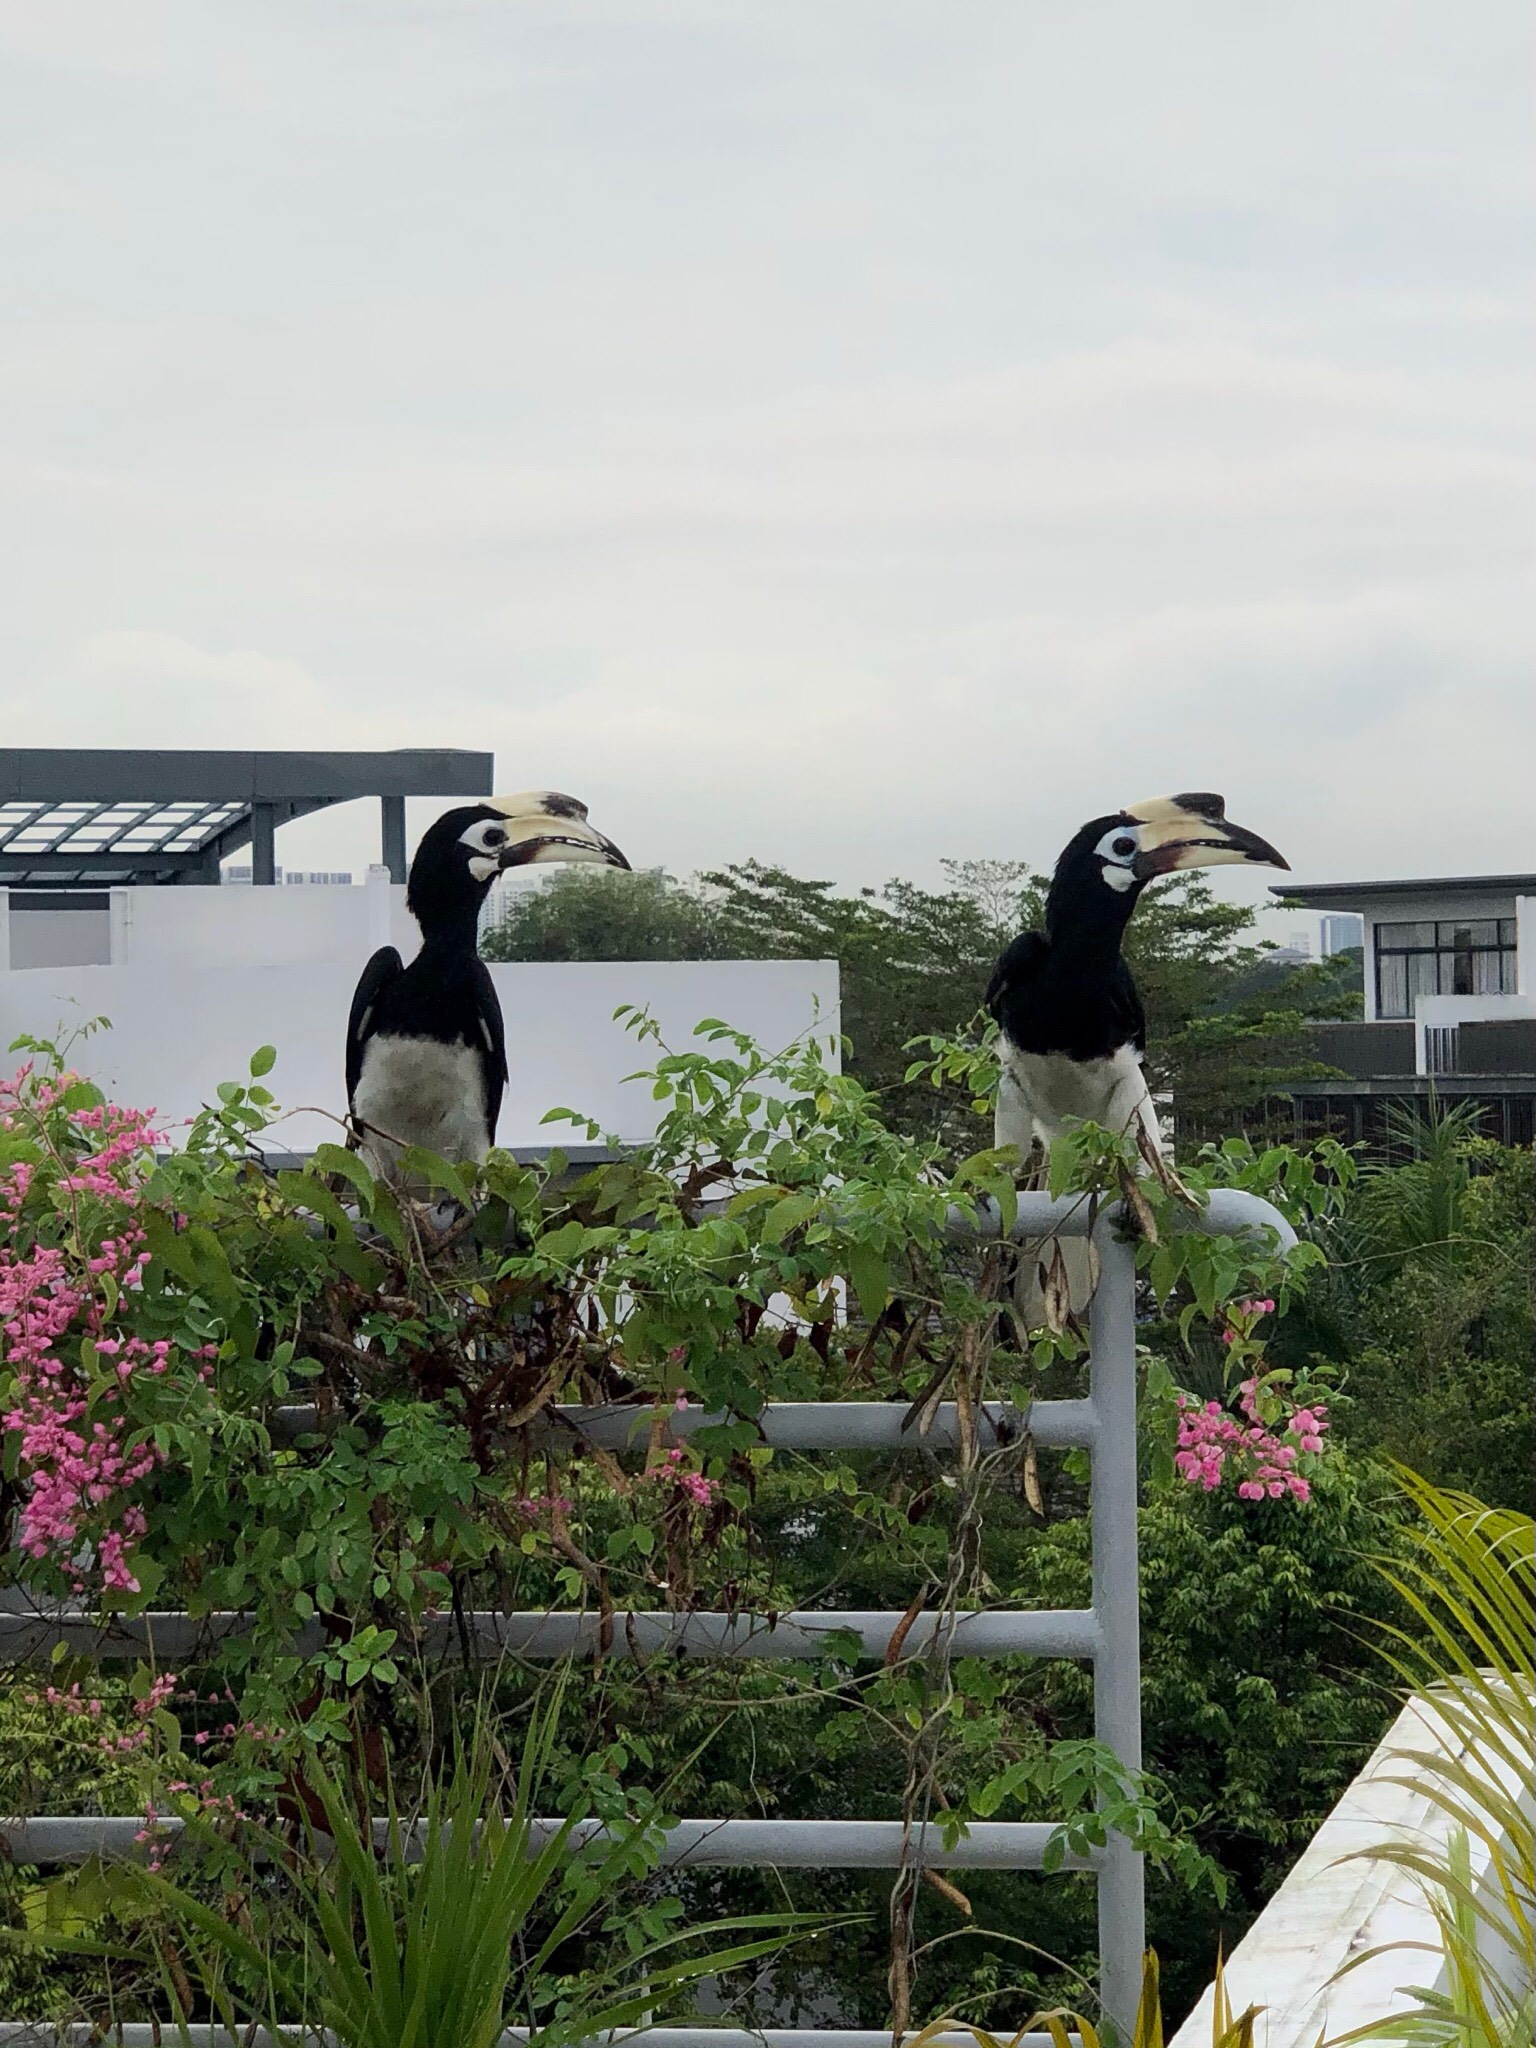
(98, 817)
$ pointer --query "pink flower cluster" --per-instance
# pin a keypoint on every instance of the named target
(1211, 1439)
(75, 1448)
(700, 1490)
(531, 1509)
(126, 1742)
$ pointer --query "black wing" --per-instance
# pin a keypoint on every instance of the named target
(492, 1046)
(1018, 965)
(385, 967)
(1046, 1003)
(1127, 1007)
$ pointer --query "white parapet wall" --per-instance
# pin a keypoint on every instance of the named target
(199, 978)
(1337, 1907)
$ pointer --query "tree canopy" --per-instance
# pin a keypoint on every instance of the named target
(1225, 1022)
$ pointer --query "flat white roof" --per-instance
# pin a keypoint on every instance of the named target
(1348, 894)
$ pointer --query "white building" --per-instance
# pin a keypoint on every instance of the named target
(1449, 994)
(110, 906)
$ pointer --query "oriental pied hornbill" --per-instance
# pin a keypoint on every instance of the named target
(426, 1049)
(1071, 1028)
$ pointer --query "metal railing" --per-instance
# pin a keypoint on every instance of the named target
(1107, 1634)
(1442, 1048)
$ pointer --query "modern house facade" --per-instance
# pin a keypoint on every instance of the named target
(1450, 1003)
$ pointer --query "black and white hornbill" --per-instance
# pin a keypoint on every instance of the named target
(426, 1049)
(1070, 1024)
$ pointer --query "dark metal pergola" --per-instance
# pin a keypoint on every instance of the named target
(98, 817)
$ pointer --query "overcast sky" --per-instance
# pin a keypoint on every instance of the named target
(841, 433)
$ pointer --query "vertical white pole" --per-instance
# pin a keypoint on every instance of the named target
(1116, 1602)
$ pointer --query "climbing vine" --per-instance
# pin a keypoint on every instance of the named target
(303, 1399)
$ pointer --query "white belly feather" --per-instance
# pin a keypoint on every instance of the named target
(1040, 1094)
(418, 1091)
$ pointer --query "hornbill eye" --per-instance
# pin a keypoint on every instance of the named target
(1124, 844)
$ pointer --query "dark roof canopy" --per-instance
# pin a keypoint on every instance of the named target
(1347, 894)
(90, 817)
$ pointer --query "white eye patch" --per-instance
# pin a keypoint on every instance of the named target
(485, 837)
(1118, 849)
(1121, 845)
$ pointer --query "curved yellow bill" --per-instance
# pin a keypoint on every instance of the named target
(545, 825)
(1194, 831)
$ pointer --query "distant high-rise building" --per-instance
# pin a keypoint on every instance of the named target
(1340, 932)
(311, 878)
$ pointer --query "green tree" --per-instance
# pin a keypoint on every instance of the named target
(1226, 1027)
(1426, 1305)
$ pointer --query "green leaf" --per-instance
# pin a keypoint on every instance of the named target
(263, 1060)
(788, 1215)
(870, 1273)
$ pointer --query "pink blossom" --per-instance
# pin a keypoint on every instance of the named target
(79, 1468)
(1212, 1443)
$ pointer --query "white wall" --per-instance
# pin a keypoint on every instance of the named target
(202, 977)
(1332, 1910)
(242, 927)
(1432, 1013)
(1525, 942)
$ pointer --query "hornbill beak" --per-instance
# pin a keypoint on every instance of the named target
(544, 825)
(1193, 831)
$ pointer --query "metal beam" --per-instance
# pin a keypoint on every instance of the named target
(847, 1425)
(690, 1844)
(799, 1425)
(94, 870)
(263, 846)
(787, 1638)
(392, 826)
(1117, 1604)
(193, 775)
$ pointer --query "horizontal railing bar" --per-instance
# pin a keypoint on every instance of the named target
(802, 1425)
(209, 2034)
(991, 1632)
(692, 1844)
(848, 1425)
(1228, 1212)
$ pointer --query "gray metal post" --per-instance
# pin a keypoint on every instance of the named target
(392, 809)
(263, 845)
(1117, 1603)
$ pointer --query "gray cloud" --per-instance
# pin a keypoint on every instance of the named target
(849, 434)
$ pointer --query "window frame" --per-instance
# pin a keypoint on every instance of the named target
(1502, 949)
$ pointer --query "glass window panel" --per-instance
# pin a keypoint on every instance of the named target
(1482, 931)
(1495, 973)
(1405, 935)
(1424, 979)
(1392, 986)
(1506, 931)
